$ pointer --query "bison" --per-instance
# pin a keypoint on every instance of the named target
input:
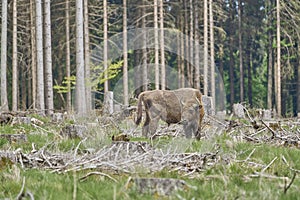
(182, 106)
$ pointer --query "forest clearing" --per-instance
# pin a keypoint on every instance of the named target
(79, 79)
(233, 159)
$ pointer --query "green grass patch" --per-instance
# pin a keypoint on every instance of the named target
(233, 177)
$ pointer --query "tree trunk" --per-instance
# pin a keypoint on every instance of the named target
(15, 59)
(270, 58)
(241, 52)
(125, 55)
(23, 88)
(87, 57)
(298, 81)
(4, 102)
(278, 66)
(182, 54)
(105, 47)
(205, 56)
(40, 104)
(144, 50)
(187, 43)
(80, 83)
(212, 52)
(162, 46)
(33, 53)
(68, 61)
(48, 58)
(250, 63)
(197, 47)
(156, 46)
(191, 47)
(231, 56)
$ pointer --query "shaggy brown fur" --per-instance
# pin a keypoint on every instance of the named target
(172, 106)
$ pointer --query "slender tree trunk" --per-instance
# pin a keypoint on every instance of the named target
(144, 50)
(183, 54)
(178, 59)
(250, 67)
(87, 57)
(212, 52)
(278, 67)
(68, 61)
(197, 47)
(15, 59)
(179, 50)
(33, 53)
(221, 83)
(187, 43)
(48, 58)
(241, 52)
(80, 82)
(125, 55)
(231, 56)
(270, 58)
(23, 88)
(191, 47)
(40, 103)
(205, 56)
(105, 47)
(4, 102)
(156, 46)
(162, 46)
(298, 81)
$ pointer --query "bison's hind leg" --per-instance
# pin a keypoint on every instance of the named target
(145, 130)
(153, 125)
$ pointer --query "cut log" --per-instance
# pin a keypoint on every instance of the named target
(238, 110)
(160, 186)
(73, 131)
(209, 108)
(17, 138)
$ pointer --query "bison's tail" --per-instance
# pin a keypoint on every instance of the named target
(139, 110)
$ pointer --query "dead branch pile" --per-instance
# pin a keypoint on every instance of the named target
(276, 133)
(119, 157)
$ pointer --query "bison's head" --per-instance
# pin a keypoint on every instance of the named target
(190, 112)
(190, 117)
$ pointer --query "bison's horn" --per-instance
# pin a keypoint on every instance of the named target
(199, 103)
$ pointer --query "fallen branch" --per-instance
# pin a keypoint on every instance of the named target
(289, 185)
(21, 193)
(97, 173)
(270, 129)
(264, 169)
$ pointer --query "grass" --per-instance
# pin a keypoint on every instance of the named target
(229, 179)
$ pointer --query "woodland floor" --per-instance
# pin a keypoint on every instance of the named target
(70, 158)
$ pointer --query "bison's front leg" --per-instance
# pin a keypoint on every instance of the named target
(189, 129)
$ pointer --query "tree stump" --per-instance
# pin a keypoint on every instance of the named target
(238, 110)
(109, 102)
(160, 186)
(73, 131)
(208, 105)
(5, 118)
(57, 117)
(267, 114)
(21, 120)
(14, 138)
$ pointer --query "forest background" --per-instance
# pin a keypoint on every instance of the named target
(47, 48)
